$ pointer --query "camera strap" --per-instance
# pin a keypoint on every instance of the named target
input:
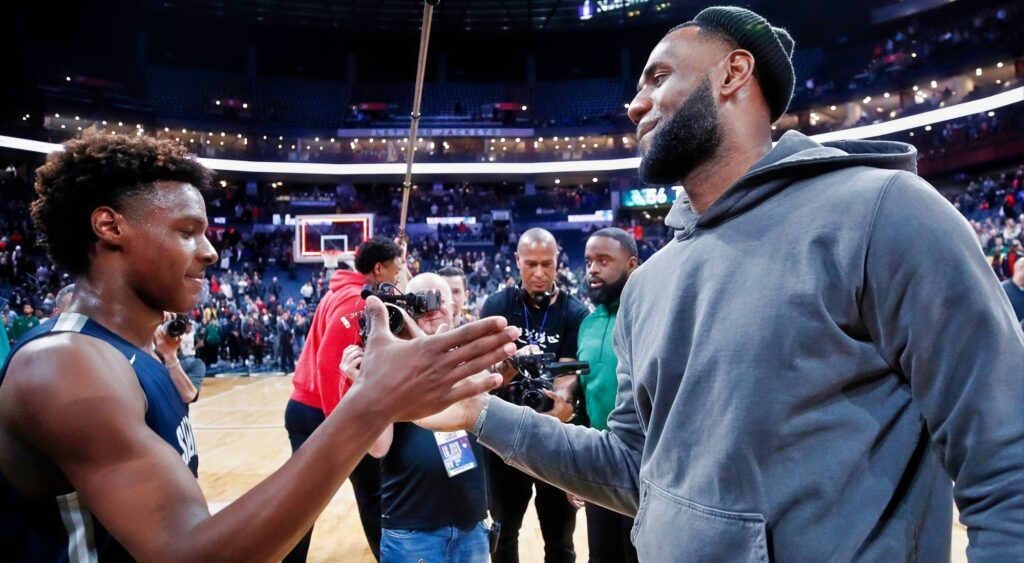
(532, 337)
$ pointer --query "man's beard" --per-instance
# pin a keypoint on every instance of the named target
(689, 138)
(607, 293)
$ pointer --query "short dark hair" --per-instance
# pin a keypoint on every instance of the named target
(99, 170)
(623, 238)
(375, 251)
(453, 272)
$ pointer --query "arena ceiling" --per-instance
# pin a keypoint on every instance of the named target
(450, 15)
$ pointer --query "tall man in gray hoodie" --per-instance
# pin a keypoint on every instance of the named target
(817, 403)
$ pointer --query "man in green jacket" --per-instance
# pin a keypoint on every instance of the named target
(24, 323)
(611, 256)
(5, 347)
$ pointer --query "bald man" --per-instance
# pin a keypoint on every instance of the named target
(549, 322)
(816, 403)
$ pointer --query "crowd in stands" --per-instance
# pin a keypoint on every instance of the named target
(971, 132)
(255, 308)
(450, 201)
(994, 204)
(913, 49)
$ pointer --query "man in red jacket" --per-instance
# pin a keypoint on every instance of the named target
(319, 382)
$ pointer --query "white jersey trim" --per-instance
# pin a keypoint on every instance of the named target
(70, 322)
(79, 525)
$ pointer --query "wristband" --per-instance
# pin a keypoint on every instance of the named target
(478, 426)
(172, 366)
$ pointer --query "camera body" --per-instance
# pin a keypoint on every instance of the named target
(416, 304)
(176, 326)
(537, 374)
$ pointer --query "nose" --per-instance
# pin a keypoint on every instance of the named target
(207, 254)
(593, 270)
(639, 107)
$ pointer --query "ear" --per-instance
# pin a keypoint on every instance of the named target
(632, 263)
(739, 71)
(108, 225)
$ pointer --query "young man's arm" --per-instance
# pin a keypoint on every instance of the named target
(78, 403)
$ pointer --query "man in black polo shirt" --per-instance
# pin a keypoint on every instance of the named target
(433, 490)
(549, 321)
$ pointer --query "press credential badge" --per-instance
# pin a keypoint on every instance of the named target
(456, 452)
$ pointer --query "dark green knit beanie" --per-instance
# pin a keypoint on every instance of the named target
(772, 48)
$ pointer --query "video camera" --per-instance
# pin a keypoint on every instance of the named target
(538, 373)
(176, 326)
(416, 304)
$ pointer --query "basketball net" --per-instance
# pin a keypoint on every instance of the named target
(330, 259)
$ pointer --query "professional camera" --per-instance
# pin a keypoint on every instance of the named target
(176, 326)
(416, 304)
(537, 373)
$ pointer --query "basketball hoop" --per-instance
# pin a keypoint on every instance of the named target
(330, 259)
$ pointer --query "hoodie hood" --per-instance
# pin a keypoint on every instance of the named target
(347, 278)
(794, 157)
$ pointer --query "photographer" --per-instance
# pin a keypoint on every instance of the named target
(549, 321)
(167, 345)
(432, 504)
(319, 382)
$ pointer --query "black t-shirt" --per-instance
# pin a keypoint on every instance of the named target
(416, 492)
(557, 334)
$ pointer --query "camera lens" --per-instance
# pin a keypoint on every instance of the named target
(395, 318)
(537, 400)
(175, 327)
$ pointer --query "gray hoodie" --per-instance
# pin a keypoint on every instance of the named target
(803, 372)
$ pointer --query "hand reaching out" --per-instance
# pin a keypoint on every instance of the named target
(412, 379)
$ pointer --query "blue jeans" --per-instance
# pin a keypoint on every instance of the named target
(440, 545)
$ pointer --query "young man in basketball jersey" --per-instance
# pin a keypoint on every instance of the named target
(550, 323)
(97, 455)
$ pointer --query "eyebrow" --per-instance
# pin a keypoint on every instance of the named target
(646, 75)
(194, 219)
(649, 72)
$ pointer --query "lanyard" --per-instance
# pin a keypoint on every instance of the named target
(526, 320)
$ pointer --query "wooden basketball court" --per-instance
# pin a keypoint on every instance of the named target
(239, 427)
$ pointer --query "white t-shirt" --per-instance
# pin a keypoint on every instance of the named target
(188, 344)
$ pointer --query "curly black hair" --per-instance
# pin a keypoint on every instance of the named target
(374, 251)
(100, 169)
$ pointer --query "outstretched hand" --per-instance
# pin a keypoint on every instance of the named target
(412, 379)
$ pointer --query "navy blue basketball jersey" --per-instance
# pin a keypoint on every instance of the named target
(62, 528)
